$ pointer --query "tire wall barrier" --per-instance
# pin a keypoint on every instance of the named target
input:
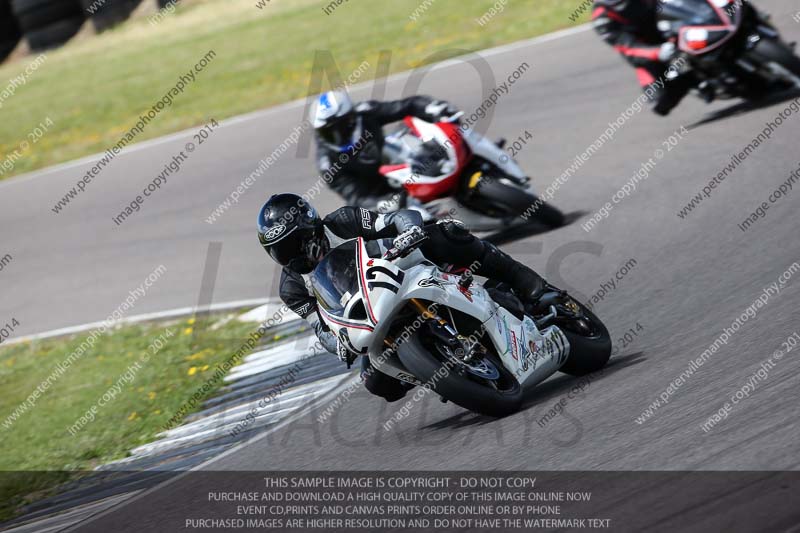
(48, 23)
(106, 14)
(9, 30)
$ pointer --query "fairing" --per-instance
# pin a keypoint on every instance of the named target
(701, 26)
(457, 147)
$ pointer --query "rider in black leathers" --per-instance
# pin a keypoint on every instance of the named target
(630, 27)
(294, 235)
(350, 141)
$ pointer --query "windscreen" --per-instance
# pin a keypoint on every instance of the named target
(689, 12)
(335, 280)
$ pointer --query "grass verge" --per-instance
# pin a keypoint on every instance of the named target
(134, 397)
(95, 89)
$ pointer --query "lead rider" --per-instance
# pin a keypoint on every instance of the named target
(294, 236)
(631, 27)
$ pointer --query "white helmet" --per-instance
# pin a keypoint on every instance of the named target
(331, 105)
(335, 120)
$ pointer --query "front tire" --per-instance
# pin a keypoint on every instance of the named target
(460, 388)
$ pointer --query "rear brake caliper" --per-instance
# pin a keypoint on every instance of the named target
(559, 305)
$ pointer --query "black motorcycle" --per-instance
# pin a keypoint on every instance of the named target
(730, 46)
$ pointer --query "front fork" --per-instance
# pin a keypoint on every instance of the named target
(463, 349)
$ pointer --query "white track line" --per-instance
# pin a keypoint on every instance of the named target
(260, 114)
(346, 379)
(158, 315)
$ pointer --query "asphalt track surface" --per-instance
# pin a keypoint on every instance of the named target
(692, 278)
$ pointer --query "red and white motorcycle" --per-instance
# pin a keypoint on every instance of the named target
(459, 174)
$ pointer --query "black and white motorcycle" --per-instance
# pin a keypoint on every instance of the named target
(730, 46)
(473, 345)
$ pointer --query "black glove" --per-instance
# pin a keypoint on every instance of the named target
(443, 111)
(667, 52)
(408, 238)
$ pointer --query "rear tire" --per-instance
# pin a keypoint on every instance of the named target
(548, 215)
(457, 388)
(587, 354)
(770, 50)
(503, 198)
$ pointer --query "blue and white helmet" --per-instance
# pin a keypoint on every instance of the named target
(335, 120)
(331, 106)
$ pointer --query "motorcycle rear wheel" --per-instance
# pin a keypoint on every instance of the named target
(461, 388)
(775, 51)
(514, 200)
(589, 350)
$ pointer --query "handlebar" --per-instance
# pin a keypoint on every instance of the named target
(453, 118)
(393, 253)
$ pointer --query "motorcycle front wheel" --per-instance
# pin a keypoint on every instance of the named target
(487, 388)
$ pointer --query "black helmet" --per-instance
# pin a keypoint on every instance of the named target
(291, 232)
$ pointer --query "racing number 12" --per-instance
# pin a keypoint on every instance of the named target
(396, 277)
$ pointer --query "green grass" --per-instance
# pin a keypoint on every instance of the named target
(40, 443)
(94, 89)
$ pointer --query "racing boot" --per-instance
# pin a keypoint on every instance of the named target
(499, 266)
(674, 91)
(707, 92)
(536, 294)
(550, 298)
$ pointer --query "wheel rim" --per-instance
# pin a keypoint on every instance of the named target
(484, 371)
